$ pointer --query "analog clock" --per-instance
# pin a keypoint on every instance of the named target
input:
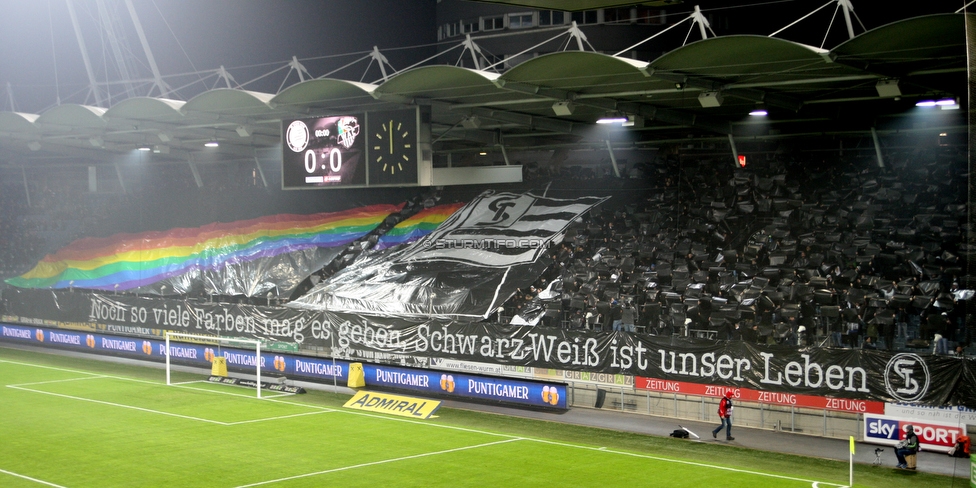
(392, 145)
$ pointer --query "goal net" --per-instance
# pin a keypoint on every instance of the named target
(218, 353)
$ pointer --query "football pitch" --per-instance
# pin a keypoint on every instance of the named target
(73, 422)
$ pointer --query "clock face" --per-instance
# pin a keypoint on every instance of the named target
(392, 144)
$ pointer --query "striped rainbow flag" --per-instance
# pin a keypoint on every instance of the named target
(135, 260)
(421, 224)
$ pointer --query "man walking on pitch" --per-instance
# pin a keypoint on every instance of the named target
(725, 413)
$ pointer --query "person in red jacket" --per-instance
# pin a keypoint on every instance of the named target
(725, 413)
(961, 449)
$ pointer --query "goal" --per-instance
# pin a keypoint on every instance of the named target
(219, 342)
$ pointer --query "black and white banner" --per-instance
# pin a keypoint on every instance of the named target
(500, 230)
(839, 373)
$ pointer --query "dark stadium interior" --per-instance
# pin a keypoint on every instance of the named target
(773, 200)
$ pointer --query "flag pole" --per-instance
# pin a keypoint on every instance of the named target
(852, 463)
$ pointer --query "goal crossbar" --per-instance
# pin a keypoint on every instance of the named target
(218, 341)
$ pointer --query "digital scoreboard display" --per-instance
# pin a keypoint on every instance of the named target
(384, 148)
(323, 152)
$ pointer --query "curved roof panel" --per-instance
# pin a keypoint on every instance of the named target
(17, 122)
(927, 42)
(737, 57)
(73, 116)
(145, 108)
(442, 82)
(230, 101)
(581, 72)
(326, 91)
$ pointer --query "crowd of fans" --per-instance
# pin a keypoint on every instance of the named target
(847, 256)
(805, 253)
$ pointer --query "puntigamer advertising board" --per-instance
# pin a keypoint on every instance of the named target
(462, 386)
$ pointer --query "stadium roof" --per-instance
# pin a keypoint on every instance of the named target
(805, 89)
(578, 5)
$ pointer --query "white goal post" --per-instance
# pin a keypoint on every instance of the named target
(219, 342)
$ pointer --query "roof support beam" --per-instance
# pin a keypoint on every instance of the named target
(542, 123)
(648, 111)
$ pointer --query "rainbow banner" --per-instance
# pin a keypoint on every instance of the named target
(131, 261)
(421, 224)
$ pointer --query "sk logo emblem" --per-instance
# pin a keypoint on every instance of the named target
(907, 377)
(279, 363)
(147, 348)
(39, 335)
(447, 383)
(208, 354)
(90, 341)
(550, 395)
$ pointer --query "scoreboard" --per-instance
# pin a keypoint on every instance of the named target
(383, 148)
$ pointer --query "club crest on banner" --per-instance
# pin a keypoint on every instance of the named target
(906, 377)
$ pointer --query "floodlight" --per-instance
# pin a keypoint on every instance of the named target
(615, 119)
(472, 122)
(710, 99)
(759, 112)
(212, 143)
(564, 107)
(888, 88)
(633, 121)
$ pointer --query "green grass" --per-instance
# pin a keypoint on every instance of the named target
(79, 423)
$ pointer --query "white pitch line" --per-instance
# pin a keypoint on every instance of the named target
(28, 478)
(679, 461)
(149, 410)
(48, 367)
(275, 418)
(603, 449)
(385, 461)
(59, 381)
(154, 383)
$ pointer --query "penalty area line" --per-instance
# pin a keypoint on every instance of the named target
(385, 461)
(277, 418)
(28, 478)
(119, 405)
(59, 381)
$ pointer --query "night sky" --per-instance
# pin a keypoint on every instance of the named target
(262, 34)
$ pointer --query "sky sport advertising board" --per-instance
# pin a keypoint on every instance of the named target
(932, 436)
